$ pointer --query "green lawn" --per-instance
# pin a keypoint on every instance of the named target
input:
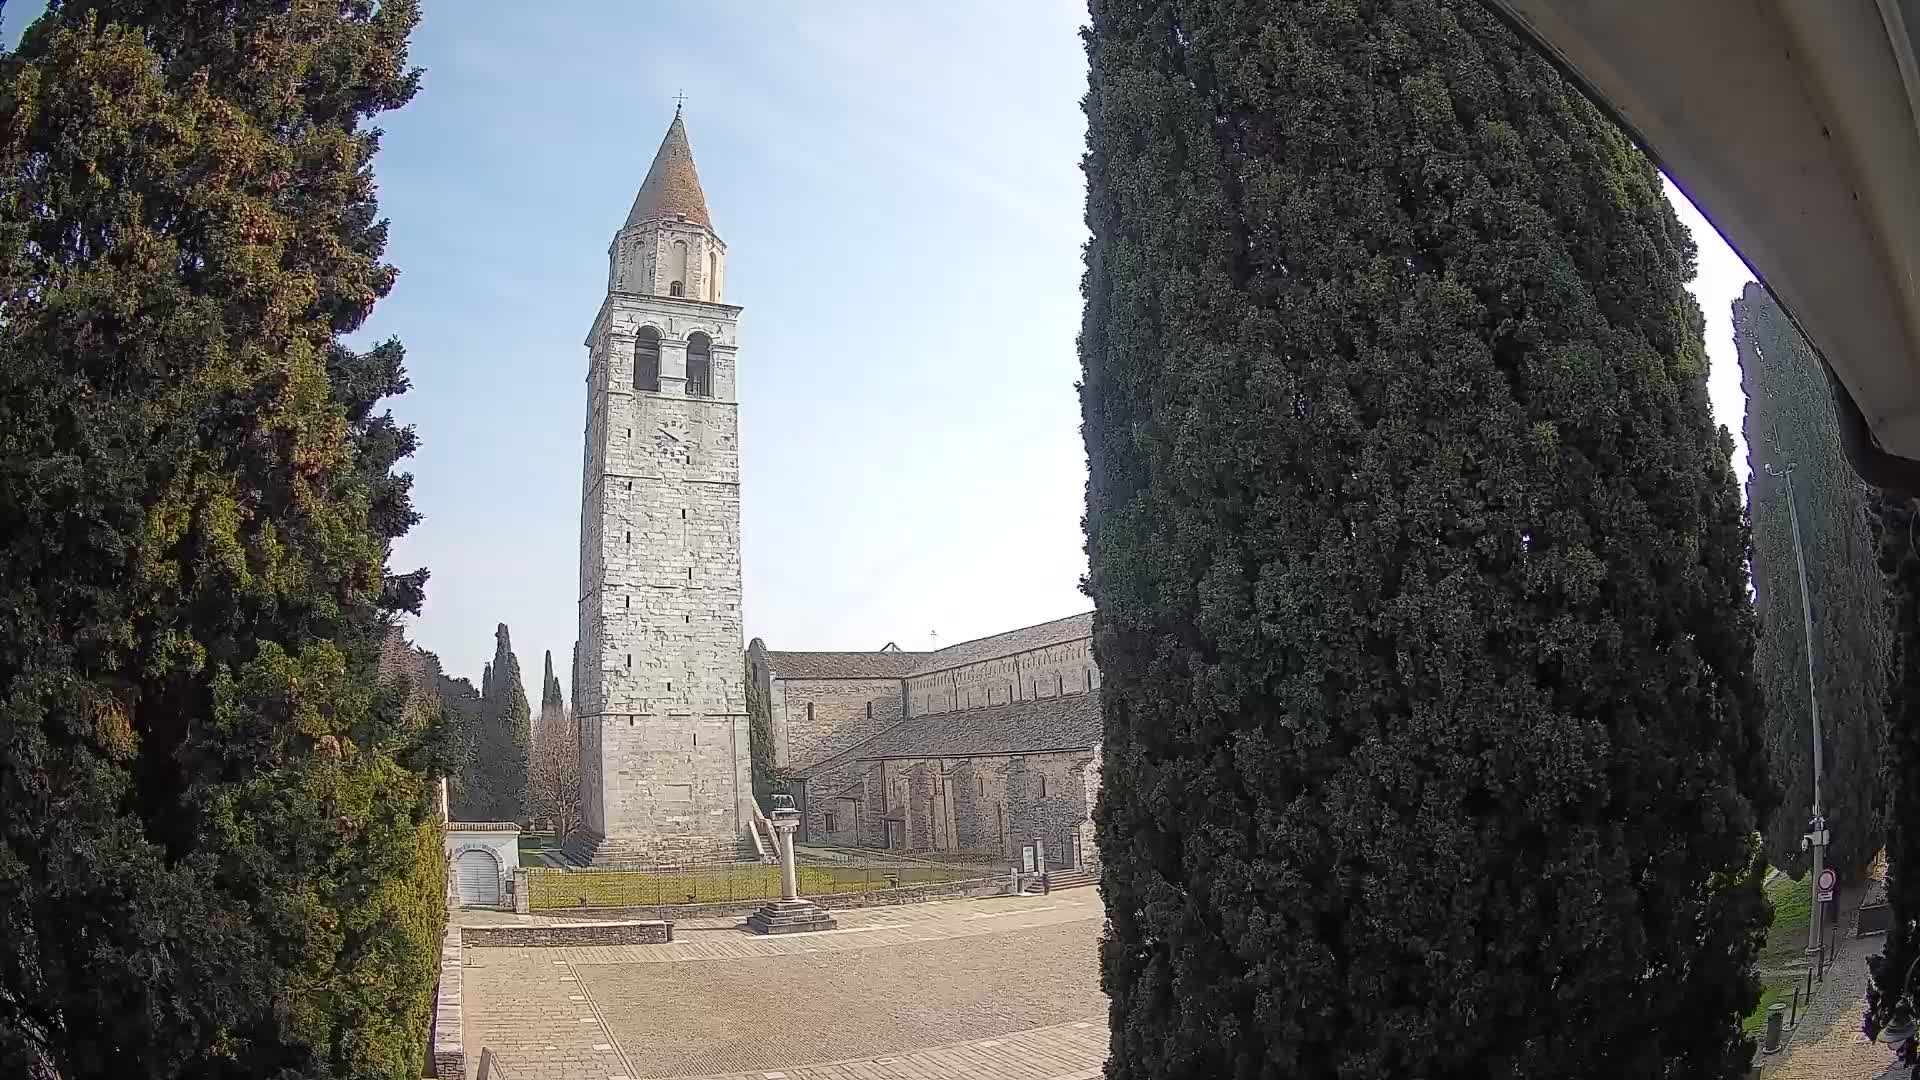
(553, 889)
(1783, 959)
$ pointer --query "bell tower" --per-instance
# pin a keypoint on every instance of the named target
(661, 701)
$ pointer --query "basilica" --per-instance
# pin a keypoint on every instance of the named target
(977, 748)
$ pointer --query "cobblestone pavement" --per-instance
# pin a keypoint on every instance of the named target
(1828, 1044)
(1003, 989)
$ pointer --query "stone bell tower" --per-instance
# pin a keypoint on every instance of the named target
(661, 699)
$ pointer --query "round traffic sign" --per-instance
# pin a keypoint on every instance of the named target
(1827, 880)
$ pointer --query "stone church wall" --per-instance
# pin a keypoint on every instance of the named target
(980, 805)
(813, 719)
(1036, 673)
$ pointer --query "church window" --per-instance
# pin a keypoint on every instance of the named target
(1043, 787)
(1059, 684)
(646, 362)
(626, 601)
(677, 268)
(629, 661)
(983, 785)
(869, 710)
(699, 365)
(831, 826)
(809, 712)
(713, 280)
(1088, 672)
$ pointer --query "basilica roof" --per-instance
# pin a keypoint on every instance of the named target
(1069, 722)
(892, 663)
(1038, 636)
(842, 665)
(672, 186)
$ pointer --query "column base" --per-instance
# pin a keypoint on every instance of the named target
(790, 917)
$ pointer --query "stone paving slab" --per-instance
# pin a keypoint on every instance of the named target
(1071, 1051)
(873, 1001)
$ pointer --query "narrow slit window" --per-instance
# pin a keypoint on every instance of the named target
(1043, 787)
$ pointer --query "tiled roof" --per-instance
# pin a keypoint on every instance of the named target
(1071, 722)
(1071, 628)
(842, 665)
(893, 664)
(672, 187)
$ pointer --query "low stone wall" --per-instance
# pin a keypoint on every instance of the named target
(628, 932)
(882, 897)
(449, 1042)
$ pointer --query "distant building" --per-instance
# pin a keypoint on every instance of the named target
(978, 748)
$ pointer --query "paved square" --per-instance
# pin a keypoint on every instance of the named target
(999, 989)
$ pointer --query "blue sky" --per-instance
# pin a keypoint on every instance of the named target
(899, 189)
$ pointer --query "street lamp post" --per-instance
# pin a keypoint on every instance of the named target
(1815, 841)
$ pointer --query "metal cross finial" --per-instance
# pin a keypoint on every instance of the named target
(679, 99)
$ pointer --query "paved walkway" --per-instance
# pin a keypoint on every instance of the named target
(992, 989)
(1828, 1044)
(1074, 1051)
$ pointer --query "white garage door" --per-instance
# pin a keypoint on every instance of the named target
(479, 875)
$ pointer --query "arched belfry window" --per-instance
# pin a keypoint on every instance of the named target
(713, 276)
(699, 365)
(677, 269)
(646, 360)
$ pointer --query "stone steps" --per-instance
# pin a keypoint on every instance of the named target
(1070, 879)
(790, 917)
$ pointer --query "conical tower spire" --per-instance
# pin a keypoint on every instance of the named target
(672, 187)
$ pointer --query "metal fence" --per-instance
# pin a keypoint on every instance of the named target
(736, 882)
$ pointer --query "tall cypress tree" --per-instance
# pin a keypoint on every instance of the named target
(508, 732)
(1895, 990)
(1790, 422)
(218, 856)
(1432, 745)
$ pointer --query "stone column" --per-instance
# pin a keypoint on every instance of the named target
(785, 821)
(789, 914)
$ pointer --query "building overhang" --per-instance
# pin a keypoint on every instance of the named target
(1794, 127)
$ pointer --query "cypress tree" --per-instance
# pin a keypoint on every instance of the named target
(506, 737)
(1894, 993)
(218, 856)
(1432, 744)
(1790, 422)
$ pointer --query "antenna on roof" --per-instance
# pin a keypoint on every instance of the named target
(934, 636)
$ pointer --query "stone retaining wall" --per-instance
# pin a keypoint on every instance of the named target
(630, 932)
(449, 1043)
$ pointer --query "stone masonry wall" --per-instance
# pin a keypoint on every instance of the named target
(814, 719)
(1037, 673)
(664, 706)
(983, 804)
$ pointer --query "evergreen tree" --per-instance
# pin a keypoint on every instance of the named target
(552, 701)
(505, 738)
(1432, 743)
(1790, 422)
(1894, 993)
(218, 852)
(468, 798)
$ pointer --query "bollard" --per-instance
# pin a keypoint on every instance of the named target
(1793, 1018)
(1776, 1018)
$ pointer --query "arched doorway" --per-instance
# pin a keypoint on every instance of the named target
(478, 874)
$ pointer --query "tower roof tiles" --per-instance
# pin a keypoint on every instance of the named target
(672, 186)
